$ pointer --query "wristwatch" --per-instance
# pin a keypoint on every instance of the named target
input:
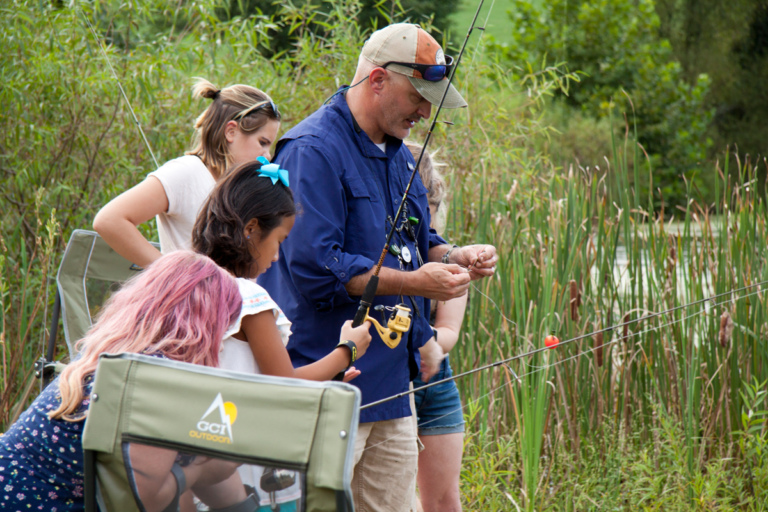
(352, 350)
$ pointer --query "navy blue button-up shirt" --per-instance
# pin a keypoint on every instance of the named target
(345, 188)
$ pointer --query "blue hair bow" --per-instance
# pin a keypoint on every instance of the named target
(272, 171)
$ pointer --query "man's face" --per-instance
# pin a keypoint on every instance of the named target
(402, 106)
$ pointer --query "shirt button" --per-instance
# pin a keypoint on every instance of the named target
(342, 274)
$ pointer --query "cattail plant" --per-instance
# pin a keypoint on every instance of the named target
(726, 329)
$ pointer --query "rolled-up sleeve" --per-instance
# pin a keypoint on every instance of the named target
(315, 249)
(435, 239)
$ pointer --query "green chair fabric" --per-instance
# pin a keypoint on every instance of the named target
(288, 423)
(89, 271)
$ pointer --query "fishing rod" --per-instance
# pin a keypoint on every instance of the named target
(571, 340)
(120, 86)
(400, 319)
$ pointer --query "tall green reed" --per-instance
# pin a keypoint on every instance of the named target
(24, 293)
(622, 262)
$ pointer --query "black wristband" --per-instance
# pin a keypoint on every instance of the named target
(352, 350)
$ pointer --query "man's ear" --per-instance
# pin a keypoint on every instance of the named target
(377, 78)
(252, 231)
(229, 131)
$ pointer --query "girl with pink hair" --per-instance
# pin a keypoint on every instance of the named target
(164, 311)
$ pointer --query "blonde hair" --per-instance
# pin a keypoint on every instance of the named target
(430, 176)
(433, 180)
(250, 107)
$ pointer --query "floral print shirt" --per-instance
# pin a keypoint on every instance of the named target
(41, 460)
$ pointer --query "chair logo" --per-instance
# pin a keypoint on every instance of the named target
(216, 427)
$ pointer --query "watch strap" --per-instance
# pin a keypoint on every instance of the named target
(352, 350)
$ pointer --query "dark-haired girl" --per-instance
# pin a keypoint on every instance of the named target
(241, 226)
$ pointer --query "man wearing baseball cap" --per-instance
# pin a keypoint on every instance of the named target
(349, 170)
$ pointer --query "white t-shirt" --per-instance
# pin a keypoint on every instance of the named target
(187, 183)
(237, 355)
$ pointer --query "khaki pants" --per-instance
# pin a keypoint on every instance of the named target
(386, 460)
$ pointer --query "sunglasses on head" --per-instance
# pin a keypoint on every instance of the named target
(429, 72)
(257, 107)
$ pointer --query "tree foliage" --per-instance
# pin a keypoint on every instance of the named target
(625, 67)
(286, 17)
(729, 42)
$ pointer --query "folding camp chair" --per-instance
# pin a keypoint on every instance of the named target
(198, 414)
(89, 271)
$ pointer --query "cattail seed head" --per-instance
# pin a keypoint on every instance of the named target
(575, 302)
(726, 329)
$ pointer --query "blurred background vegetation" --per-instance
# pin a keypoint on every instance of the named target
(612, 150)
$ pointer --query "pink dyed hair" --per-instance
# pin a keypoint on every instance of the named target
(180, 306)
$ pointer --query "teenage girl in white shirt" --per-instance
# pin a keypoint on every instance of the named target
(239, 125)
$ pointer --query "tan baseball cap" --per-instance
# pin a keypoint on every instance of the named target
(410, 44)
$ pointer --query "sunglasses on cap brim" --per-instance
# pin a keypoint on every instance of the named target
(257, 107)
(429, 72)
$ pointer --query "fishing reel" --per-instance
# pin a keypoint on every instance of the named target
(398, 323)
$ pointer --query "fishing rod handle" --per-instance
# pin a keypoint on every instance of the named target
(366, 300)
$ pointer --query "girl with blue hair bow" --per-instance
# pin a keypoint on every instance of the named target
(240, 227)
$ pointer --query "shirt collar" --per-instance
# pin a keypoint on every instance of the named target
(367, 146)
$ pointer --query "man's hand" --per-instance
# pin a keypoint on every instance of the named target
(431, 357)
(439, 281)
(479, 259)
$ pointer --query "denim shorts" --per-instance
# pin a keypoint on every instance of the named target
(438, 408)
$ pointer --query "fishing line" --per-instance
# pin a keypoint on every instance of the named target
(49, 352)
(498, 308)
(119, 85)
(345, 89)
(591, 349)
(588, 351)
(477, 47)
(577, 338)
(645, 331)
